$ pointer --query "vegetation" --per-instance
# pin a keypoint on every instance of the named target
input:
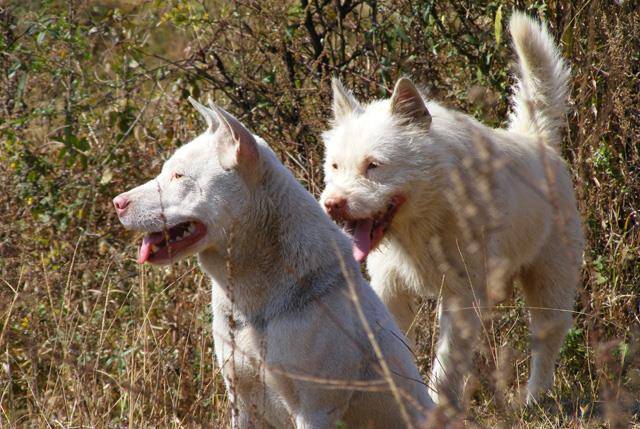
(93, 98)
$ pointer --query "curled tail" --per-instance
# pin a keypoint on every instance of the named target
(539, 100)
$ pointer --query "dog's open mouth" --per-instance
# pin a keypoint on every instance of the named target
(368, 232)
(162, 246)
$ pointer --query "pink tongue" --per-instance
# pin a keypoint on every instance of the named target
(145, 247)
(362, 239)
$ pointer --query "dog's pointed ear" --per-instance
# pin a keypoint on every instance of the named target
(407, 103)
(208, 115)
(236, 146)
(344, 103)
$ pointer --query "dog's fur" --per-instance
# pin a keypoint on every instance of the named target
(475, 208)
(288, 338)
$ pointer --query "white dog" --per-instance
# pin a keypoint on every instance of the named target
(300, 336)
(443, 205)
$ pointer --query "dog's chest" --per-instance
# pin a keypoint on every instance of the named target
(414, 267)
(237, 348)
(234, 335)
(241, 353)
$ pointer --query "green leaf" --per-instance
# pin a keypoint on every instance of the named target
(497, 25)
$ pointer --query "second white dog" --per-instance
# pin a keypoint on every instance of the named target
(445, 206)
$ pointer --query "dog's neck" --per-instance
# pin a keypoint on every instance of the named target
(447, 175)
(281, 239)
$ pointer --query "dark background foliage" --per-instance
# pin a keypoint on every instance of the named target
(93, 98)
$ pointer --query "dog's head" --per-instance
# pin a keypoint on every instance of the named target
(201, 189)
(371, 160)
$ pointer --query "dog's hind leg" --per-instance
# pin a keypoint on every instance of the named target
(549, 287)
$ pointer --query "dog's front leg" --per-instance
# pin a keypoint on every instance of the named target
(400, 301)
(316, 419)
(245, 410)
(320, 408)
(459, 327)
(242, 417)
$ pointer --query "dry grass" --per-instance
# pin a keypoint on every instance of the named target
(94, 97)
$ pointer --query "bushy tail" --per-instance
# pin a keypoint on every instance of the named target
(539, 100)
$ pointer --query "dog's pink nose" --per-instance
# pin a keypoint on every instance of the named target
(335, 205)
(120, 203)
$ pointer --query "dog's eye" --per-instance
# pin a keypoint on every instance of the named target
(334, 166)
(177, 175)
(372, 165)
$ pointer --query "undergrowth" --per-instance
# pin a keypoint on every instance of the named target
(93, 98)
